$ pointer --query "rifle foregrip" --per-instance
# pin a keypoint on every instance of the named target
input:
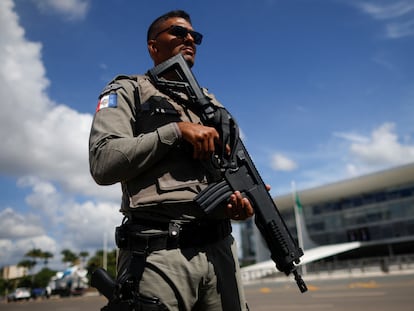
(278, 238)
(284, 251)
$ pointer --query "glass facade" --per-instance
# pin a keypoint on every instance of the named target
(377, 209)
(379, 215)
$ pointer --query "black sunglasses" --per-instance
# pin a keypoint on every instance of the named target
(182, 32)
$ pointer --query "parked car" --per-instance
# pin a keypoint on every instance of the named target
(38, 293)
(19, 294)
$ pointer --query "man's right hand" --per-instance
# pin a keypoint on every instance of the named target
(202, 138)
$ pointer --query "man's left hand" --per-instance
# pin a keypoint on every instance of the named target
(239, 208)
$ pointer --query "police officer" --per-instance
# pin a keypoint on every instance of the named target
(155, 147)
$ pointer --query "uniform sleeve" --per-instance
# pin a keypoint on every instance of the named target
(115, 153)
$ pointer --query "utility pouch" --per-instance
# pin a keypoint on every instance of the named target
(121, 237)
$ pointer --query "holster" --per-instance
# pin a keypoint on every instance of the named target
(123, 295)
(141, 303)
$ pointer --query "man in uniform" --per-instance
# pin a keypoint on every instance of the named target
(156, 148)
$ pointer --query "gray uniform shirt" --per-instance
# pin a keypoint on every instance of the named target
(135, 140)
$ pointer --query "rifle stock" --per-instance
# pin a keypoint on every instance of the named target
(238, 170)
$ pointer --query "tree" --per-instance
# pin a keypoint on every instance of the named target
(96, 261)
(34, 253)
(46, 256)
(43, 277)
(27, 263)
(69, 257)
(37, 253)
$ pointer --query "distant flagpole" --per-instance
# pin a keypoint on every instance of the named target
(298, 210)
(105, 252)
(297, 207)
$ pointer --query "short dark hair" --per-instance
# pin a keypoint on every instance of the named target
(154, 27)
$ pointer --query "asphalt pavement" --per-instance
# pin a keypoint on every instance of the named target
(367, 293)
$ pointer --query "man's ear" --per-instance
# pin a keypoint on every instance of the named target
(152, 48)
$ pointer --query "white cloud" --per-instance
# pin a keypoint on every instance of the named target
(55, 222)
(398, 16)
(71, 9)
(38, 136)
(11, 252)
(13, 225)
(21, 232)
(399, 30)
(354, 137)
(379, 150)
(45, 147)
(80, 224)
(44, 198)
(354, 154)
(393, 10)
(88, 222)
(383, 148)
(280, 162)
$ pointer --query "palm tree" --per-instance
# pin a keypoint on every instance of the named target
(69, 257)
(46, 256)
(27, 263)
(34, 253)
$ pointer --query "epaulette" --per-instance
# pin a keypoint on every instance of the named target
(109, 88)
(114, 85)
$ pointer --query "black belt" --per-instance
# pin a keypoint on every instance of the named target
(172, 235)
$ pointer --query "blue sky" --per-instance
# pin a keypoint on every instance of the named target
(323, 91)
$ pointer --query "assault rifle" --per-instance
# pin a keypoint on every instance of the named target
(237, 168)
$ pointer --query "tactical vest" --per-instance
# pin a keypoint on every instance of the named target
(175, 178)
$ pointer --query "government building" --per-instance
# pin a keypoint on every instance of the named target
(376, 209)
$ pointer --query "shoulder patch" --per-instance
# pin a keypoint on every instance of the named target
(107, 101)
(108, 97)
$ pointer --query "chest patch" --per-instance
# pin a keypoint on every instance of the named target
(159, 105)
